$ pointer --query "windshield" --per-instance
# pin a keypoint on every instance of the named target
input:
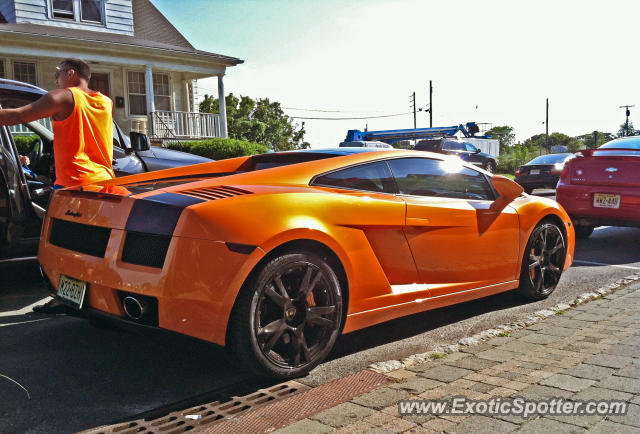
(632, 143)
(550, 159)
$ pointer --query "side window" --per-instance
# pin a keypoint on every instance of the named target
(469, 147)
(369, 177)
(429, 177)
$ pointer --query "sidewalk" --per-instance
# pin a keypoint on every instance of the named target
(591, 351)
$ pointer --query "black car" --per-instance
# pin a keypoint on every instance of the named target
(541, 172)
(24, 192)
(464, 150)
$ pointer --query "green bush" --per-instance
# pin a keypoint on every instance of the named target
(26, 144)
(220, 149)
(515, 156)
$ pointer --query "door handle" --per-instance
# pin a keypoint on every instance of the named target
(415, 221)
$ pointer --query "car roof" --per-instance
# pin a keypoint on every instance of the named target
(336, 151)
(20, 86)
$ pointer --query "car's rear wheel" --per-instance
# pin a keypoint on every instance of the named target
(490, 166)
(543, 261)
(528, 190)
(287, 317)
(583, 232)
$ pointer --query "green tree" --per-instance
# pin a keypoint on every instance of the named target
(537, 143)
(588, 139)
(259, 121)
(627, 130)
(505, 136)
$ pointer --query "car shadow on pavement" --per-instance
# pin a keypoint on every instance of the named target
(413, 325)
(67, 375)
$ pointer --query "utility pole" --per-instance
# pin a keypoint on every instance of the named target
(626, 123)
(413, 100)
(546, 123)
(430, 104)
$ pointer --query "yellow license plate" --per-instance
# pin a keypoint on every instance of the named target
(71, 291)
(602, 200)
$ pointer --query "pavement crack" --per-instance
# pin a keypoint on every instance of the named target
(17, 384)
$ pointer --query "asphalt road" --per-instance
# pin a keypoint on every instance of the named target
(60, 374)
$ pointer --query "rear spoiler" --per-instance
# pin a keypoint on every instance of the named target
(589, 152)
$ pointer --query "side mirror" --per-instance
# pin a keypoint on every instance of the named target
(506, 188)
(139, 141)
(477, 151)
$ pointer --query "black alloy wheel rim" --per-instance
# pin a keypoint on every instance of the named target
(297, 314)
(546, 259)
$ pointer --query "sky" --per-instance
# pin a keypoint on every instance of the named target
(490, 61)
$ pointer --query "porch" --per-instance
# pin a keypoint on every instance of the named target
(179, 125)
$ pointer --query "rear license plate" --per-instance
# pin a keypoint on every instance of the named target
(534, 172)
(71, 291)
(601, 200)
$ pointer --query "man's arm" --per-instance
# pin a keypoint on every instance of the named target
(54, 102)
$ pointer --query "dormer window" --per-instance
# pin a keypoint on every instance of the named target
(63, 9)
(78, 10)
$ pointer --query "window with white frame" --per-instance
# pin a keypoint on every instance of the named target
(78, 10)
(2, 74)
(63, 9)
(25, 71)
(137, 93)
(161, 92)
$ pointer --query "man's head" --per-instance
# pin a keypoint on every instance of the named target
(72, 72)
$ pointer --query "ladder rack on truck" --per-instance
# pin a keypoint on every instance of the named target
(392, 136)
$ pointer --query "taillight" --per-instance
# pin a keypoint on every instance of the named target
(518, 171)
(565, 175)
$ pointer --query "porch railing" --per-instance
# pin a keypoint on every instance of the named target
(167, 125)
(21, 129)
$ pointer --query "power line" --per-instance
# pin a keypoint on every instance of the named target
(353, 118)
(322, 111)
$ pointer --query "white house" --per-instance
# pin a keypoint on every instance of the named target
(137, 57)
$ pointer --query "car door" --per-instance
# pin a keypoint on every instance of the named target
(384, 230)
(19, 224)
(458, 240)
(472, 155)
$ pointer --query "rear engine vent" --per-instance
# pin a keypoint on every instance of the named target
(91, 240)
(145, 249)
(213, 193)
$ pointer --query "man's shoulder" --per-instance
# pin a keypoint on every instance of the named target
(61, 95)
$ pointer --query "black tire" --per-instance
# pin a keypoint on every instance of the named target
(276, 330)
(543, 261)
(528, 190)
(490, 167)
(583, 232)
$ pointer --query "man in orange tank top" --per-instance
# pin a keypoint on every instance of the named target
(82, 128)
(82, 125)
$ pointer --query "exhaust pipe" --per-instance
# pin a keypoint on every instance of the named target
(135, 308)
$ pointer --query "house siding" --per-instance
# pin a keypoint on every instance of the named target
(118, 15)
(8, 10)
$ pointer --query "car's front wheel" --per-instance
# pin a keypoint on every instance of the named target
(287, 317)
(490, 167)
(543, 261)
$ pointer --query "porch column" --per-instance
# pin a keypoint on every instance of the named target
(148, 78)
(186, 99)
(223, 107)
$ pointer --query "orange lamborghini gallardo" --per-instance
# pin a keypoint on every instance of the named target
(275, 255)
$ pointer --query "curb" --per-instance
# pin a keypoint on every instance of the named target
(537, 316)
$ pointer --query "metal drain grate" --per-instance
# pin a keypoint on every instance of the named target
(287, 411)
(195, 418)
